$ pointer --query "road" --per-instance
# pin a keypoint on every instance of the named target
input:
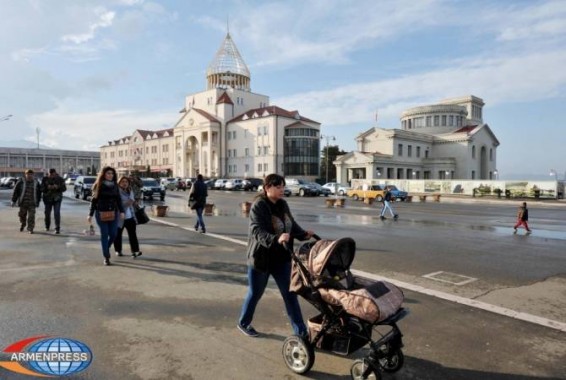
(171, 313)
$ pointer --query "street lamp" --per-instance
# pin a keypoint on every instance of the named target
(553, 173)
(496, 174)
(446, 174)
(327, 138)
(5, 118)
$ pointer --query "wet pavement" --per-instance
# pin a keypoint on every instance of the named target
(171, 313)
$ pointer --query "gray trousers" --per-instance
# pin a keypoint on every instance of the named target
(27, 210)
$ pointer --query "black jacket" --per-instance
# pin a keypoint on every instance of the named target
(107, 199)
(198, 194)
(262, 239)
(53, 188)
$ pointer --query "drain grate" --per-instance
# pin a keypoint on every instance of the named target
(450, 278)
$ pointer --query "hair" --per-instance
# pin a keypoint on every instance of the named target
(199, 177)
(100, 179)
(270, 181)
(124, 177)
(524, 204)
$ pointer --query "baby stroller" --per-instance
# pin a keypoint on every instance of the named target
(351, 310)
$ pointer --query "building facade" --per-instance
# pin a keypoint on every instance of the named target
(14, 161)
(227, 131)
(448, 140)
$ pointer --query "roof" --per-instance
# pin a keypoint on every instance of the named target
(228, 60)
(467, 129)
(270, 111)
(224, 98)
(205, 114)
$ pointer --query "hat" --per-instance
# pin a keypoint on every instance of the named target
(52, 170)
(28, 171)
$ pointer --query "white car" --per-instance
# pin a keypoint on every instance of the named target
(219, 184)
(339, 188)
(233, 184)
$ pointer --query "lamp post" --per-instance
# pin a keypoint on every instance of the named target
(496, 174)
(327, 138)
(553, 173)
(446, 174)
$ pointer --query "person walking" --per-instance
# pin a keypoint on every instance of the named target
(387, 206)
(52, 188)
(136, 185)
(522, 218)
(271, 227)
(27, 195)
(127, 197)
(105, 205)
(197, 201)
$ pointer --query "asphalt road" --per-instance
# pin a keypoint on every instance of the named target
(171, 313)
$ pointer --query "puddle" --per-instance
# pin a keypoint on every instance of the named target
(544, 234)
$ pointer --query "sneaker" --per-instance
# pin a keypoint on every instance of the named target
(203, 230)
(139, 253)
(248, 331)
(119, 254)
(47, 229)
(30, 232)
(196, 228)
(396, 216)
(107, 262)
(514, 230)
(382, 217)
(57, 231)
(22, 227)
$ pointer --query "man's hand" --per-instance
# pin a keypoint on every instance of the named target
(13, 204)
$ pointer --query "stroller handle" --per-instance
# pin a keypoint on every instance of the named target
(290, 249)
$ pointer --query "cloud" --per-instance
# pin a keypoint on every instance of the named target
(105, 19)
(65, 128)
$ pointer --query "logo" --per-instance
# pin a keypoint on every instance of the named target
(45, 356)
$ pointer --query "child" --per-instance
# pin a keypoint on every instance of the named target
(522, 218)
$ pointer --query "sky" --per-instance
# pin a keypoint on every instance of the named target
(85, 72)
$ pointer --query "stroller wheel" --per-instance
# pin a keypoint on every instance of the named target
(392, 361)
(362, 369)
(298, 354)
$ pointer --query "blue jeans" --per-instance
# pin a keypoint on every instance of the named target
(387, 206)
(200, 220)
(257, 283)
(108, 232)
(56, 207)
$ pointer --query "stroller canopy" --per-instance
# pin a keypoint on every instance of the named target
(330, 256)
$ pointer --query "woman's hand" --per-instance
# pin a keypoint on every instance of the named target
(122, 216)
(89, 219)
(284, 238)
(309, 234)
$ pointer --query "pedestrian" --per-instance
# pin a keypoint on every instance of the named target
(387, 205)
(27, 195)
(106, 206)
(522, 218)
(197, 201)
(127, 197)
(271, 227)
(52, 188)
(136, 184)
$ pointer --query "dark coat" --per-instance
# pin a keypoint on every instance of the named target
(262, 239)
(20, 190)
(107, 199)
(53, 188)
(198, 195)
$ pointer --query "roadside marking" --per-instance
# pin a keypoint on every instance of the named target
(556, 325)
(451, 278)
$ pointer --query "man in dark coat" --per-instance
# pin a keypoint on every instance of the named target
(27, 195)
(197, 201)
(52, 188)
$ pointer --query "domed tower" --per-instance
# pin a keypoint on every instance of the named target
(228, 69)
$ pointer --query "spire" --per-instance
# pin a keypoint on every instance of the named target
(228, 69)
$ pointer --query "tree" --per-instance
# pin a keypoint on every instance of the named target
(333, 151)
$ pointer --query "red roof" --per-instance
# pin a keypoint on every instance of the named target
(224, 98)
(467, 129)
(272, 111)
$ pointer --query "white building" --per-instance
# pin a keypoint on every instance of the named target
(229, 131)
(448, 140)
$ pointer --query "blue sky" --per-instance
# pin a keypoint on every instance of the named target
(86, 72)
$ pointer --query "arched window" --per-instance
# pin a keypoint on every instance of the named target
(473, 151)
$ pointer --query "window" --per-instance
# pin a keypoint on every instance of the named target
(259, 131)
(259, 167)
(235, 168)
(443, 120)
(474, 151)
(265, 150)
(400, 149)
(229, 153)
(265, 130)
(418, 152)
(235, 154)
(428, 121)
(259, 150)
(247, 152)
(436, 121)
(490, 154)
(473, 174)
(426, 153)
(229, 135)
(409, 151)
(265, 167)
(247, 166)
(233, 135)
(451, 120)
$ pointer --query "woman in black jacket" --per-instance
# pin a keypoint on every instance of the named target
(271, 226)
(106, 201)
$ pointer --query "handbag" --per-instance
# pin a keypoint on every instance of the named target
(141, 216)
(107, 216)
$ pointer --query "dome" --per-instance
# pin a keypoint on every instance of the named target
(228, 60)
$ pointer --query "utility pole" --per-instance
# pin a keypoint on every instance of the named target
(327, 138)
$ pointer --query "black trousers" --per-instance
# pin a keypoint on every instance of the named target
(130, 226)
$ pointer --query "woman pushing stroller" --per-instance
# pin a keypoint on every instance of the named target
(271, 227)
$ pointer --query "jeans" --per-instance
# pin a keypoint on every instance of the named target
(257, 284)
(386, 206)
(108, 231)
(200, 220)
(56, 207)
(130, 226)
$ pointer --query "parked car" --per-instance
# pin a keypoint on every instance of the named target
(8, 182)
(152, 188)
(396, 193)
(219, 184)
(209, 183)
(334, 188)
(286, 191)
(83, 186)
(374, 192)
(233, 184)
(251, 184)
(321, 190)
(300, 187)
(169, 183)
